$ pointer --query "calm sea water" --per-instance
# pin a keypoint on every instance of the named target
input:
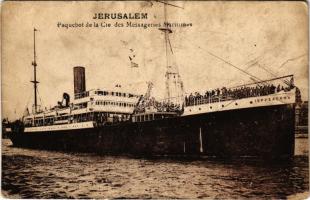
(45, 174)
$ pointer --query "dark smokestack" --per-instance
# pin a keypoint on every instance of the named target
(79, 80)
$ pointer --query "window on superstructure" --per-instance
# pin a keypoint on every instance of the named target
(112, 93)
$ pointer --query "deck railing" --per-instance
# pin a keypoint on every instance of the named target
(261, 88)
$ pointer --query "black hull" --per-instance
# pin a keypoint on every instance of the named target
(266, 132)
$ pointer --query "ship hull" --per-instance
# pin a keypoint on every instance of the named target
(266, 132)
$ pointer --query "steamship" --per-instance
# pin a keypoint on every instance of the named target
(252, 120)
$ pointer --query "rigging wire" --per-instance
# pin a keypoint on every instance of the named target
(40, 99)
(233, 66)
(27, 104)
(252, 77)
(249, 62)
(166, 3)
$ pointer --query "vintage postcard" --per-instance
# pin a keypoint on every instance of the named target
(154, 99)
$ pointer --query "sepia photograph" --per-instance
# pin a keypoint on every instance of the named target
(154, 99)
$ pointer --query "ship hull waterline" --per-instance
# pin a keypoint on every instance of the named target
(262, 132)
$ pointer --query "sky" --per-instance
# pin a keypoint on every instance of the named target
(266, 39)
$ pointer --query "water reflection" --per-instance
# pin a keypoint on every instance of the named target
(45, 174)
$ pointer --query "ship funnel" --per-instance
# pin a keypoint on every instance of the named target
(79, 80)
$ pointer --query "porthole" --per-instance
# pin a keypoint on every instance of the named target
(210, 107)
(236, 104)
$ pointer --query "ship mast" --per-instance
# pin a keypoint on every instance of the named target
(34, 64)
(172, 73)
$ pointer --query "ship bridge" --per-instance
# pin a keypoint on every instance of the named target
(100, 100)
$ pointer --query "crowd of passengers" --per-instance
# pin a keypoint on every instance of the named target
(158, 106)
(225, 94)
